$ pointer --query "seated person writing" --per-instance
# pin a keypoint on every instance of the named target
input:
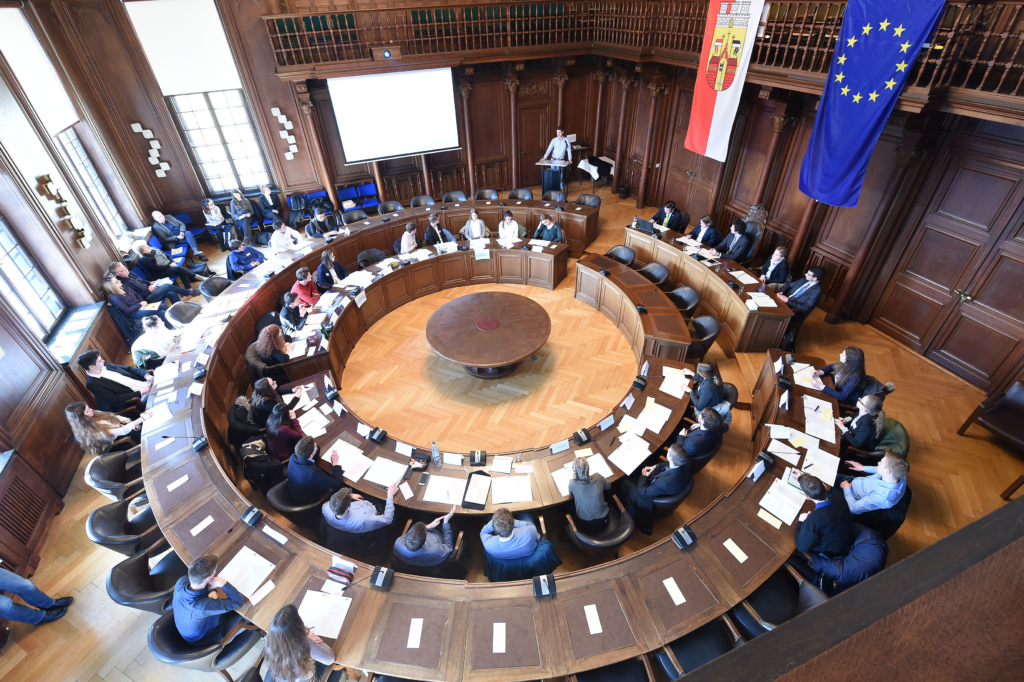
(408, 242)
(863, 430)
(149, 291)
(113, 385)
(508, 228)
(505, 537)
(243, 258)
(329, 272)
(284, 237)
(705, 436)
(265, 396)
(425, 546)
(283, 432)
(159, 265)
(828, 529)
(294, 653)
(705, 233)
(351, 513)
(273, 346)
(668, 216)
(736, 243)
(201, 615)
(589, 511)
(306, 480)
(474, 228)
(435, 233)
(319, 226)
(803, 294)
(775, 270)
(549, 230)
(156, 341)
(172, 233)
(658, 480)
(305, 287)
(881, 490)
(294, 313)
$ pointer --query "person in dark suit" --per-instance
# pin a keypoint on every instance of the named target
(265, 395)
(270, 205)
(803, 294)
(668, 216)
(328, 270)
(293, 313)
(435, 233)
(775, 270)
(657, 480)
(705, 233)
(113, 385)
(736, 243)
(863, 430)
(319, 226)
(827, 530)
(703, 438)
(159, 265)
(306, 480)
(172, 233)
(708, 390)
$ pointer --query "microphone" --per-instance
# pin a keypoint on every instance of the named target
(198, 443)
(685, 536)
(640, 307)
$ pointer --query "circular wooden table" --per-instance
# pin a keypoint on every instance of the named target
(488, 333)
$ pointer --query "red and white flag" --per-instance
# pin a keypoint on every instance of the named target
(728, 41)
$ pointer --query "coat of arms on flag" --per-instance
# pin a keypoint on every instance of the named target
(727, 48)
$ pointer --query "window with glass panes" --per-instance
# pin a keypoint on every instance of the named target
(96, 191)
(216, 126)
(23, 286)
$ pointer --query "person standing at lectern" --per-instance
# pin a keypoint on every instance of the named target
(559, 149)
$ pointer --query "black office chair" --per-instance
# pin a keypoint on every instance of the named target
(117, 474)
(521, 193)
(182, 312)
(754, 231)
(701, 646)
(887, 521)
(214, 287)
(452, 568)
(777, 600)
(605, 546)
(353, 216)
(486, 195)
(655, 273)
(453, 196)
(630, 670)
(168, 646)
(666, 504)
(109, 526)
(622, 254)
(706, 330)
(304, 514)
(554, 195)
(389, 207)
(373, 547)
(589, 200)
(133, 583)
(686, 299)
(698, 463)
(253, 673)
(421, 200)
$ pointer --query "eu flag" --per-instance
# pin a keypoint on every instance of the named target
(878, 43)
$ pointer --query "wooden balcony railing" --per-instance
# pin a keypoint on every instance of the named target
(976, 45)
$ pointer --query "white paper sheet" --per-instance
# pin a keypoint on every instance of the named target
(403, 448)
(259, 594)
(415, 631)
(177, 484)
(784, 401)
(593, 620)
(351, 459)
(783, 501)
(561, 477)
(511, 489)
(607, 422)
(363, 430)
(452, 459)
(560, 446)
(476, 493)
(158, 416)
(501, 464)
(498, 644)
(444, 490)
(246, 571)
(164, 442)
(599, 466)
(784, 451)
(201, 526)
(629, 455)
(332, 617)
(821, 465)
(779, 432)
(384, 471)
(165, 372)
(407, 493)
(735, 550)
(673, 591)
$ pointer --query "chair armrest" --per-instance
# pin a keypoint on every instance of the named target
(568, 517)
(232, 632)
(667, 651)
(134, 456)
(152, 548)
(618, 503)
(543, 528)
(761, 621)
(122, 439)
(129, 412)
(408, 525)
(137, 493)
(737, 638)
(129, 484)
(647, 666)
(458, 542)
(794, 573)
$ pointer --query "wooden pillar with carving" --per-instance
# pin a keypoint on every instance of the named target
(426, 175)
(513, 87)
(560, 81)
(464, 90)
(316, 142)
(600, 77)
(627, 84)
(656, 91)
(802, 230)
(779, 122)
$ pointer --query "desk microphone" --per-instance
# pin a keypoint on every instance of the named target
(640, 307)
(198, 443)
(685, 536)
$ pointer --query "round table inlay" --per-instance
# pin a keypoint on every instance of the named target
(488, 324)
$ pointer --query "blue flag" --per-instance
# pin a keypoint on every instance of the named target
(878, 44)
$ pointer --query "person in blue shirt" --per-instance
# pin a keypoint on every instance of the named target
(559, 149)
(306, 480)
(506, 537)
(329, 272)
(847, 376)
(548, 230)
(881, 490)
(243, 258)
(423, 545)
(351, 513)
(200, 614)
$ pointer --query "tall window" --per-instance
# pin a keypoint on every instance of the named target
(96, 191)
(217, 128)
(23, 285)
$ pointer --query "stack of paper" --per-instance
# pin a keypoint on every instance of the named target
(359, 278)
(783, 501)
(165, 372)
(743, 277)
(501, 464)
(511, 489)
(818, 419)
(784, 451)
(805, 378)
(676, 382)
(799, 439)
(508, 243)
(246, 571)
(821, 465)
(350, 458)
(314, 424)
(385, 471)
(444, 489)
(762, 300)
(446, 247)
(324, 612)
(538, 242)
(633, 451)
(479, 244)
(159, 415)
(654, 416)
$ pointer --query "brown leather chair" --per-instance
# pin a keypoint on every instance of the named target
(1001, 414)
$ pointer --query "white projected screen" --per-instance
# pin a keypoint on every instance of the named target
(374, 127)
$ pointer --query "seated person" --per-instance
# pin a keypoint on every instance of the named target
(241, 423)
(881, 490)
(265, 396)
(113, 385)
(283, 432)
(241, 212)
(216, 226)
(863, 430)
(775, 270)
(283, 237)
(705, 436)
(705, 233)
(130, 302)
(668, 216)
(172, 233)
(435, 233)
(294, 313)
(41, 608)
(329, 272)
(708, 390)
(474, 228)
(270, 205)
(201, 615)
(96, 431)
(828, 529)
(272, 346)
(736, 243)
(159, 265)
(305, 287)
(149, 291)
(243, 258)
(549, 231)
(658, 480)
(508, 228)
(847, 376)
(293, 652)
(505, 537)
(803, 294)
(425, 546)
(319, 226)
(589, 511)
(370, 257)
(306, 480)
(351, 513)
(408, 242)
(155, 342)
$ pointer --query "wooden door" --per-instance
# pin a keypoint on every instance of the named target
(689, 177)
(533, 141)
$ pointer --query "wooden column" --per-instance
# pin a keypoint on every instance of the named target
(464, 90)
(600, 77)
(315, 138)
(801, 236)
(513, 86)
(560, 81)
(627, 84)
(426, 175)
(655, 91)
(380, 182)
(778, 125)
(716, 192)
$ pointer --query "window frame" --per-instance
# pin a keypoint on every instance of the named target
(20, 305)
(87, 187)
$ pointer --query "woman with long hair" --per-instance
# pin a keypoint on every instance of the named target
(587, 491)
(271, 346)
(283, 432)
(328, 270)
(240, 209)
(293, 653)
(264, 397)
(130, 302)
(215, 223)
(95, 431)
(863, 430)
(847, 376)
(709, 390)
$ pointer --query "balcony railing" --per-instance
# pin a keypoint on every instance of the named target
(975, 46)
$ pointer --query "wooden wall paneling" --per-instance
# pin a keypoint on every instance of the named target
(787, 205)
(755, 141)
(27, 505)
(533, 139)
(489, 126)
(577, 112)
(342, 175)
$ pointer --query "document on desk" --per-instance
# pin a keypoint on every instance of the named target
(476, 491)
(783, 501)
(763, 300)
(312, 419)
(384, 471)
(654, 416)
(630, 454)
(363, 430)
(165, 372)
(444, 490)
(629, 424)
(297, 350)
(821, 465)
(501, 464)
(675, 384)
(751, 304)
(158, 416)
(403, 448)
(743, 277)
(246, 571)
(324, 612)
(784, 451)
(561, 477)
(511, 490)
(780, 432)
(350, 458)
(824, 430)
(598, 465)
(805, 378)
(799, 439)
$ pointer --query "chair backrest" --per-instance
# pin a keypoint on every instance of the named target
(707, 328)
(622, 254)
(168, 646)
(732, 394)
(453, 196)
(754, 231)
(213, 287)
(182, 312)
(655, 272)
(486, 194)
(894, 438)
(666, 504)
(449, 569)
(686, 299)
(521, 193)
(698, 463)
(389, 207)
(297, 201)
(887, 521)
(355, 215)
(620, 528)
(422, 200)
(1013, 399)
(254, 366)
(544, 560)
(554, 195)
(589, 200)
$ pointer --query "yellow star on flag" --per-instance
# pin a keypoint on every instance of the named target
(839, 78)
(842, 59)
(884, 25)
(845, 90)
(899, 31)
(851, 41)
(890, 83)
(866, 29)
(873, 96)
(904, 46)
(857, 98)
(902, 66)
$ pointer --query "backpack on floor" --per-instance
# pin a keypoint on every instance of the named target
(261, 470)
(788, 343)
(201, 269)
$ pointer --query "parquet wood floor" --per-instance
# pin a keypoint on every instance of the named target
(955, 481)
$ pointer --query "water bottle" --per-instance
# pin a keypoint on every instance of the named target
(435, 454)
